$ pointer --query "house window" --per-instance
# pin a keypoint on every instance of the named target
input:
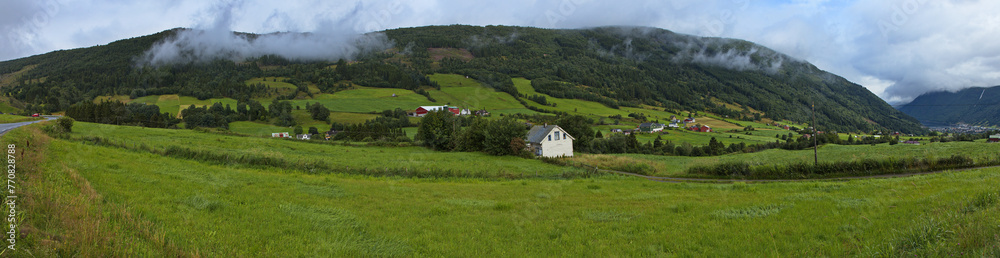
(557, 136)
(564, 136)
(550, 138)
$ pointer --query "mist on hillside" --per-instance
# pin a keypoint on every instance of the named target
(194, 45)
(719, 52)
(330, 41)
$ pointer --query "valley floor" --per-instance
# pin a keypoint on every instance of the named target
(91, 200)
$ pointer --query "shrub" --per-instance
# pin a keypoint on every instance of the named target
(65, 124)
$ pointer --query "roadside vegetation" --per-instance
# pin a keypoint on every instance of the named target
(5, 118)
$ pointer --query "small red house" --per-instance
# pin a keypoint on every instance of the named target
(994, 138)
(702, 129)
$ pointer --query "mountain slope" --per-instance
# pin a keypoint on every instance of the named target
(616, 66)
(978, 106)
(657, 67)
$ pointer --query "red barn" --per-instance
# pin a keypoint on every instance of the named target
(702, 129)
(422, 111)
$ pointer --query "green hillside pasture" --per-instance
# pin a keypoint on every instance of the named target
(352, 158)
(498, 112)
(304, 119)
(366, 100)
(282, 87)
(173, 104)
(588, 108)
(468, 93)
(171, 207)
(7, 108)
(352, 118)
(119, 98)
(269, 81)
(257, 129)
(675, 166)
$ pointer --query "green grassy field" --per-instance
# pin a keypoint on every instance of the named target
(83, 203)
(676, 165)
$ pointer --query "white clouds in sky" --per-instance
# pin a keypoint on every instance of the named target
(897, 48)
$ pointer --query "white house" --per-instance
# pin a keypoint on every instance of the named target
(651, 127)
(550, 141)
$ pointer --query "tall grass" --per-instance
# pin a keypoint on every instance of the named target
(866, 167)
(605, 162)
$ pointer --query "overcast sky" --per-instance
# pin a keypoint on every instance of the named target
(898, 49)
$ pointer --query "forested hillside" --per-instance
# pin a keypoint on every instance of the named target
(612, 65)
(977, 106)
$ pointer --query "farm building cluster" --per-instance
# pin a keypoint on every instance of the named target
(658, 127)
(542, 140)
(423, 110)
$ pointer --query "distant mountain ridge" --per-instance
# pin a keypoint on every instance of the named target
(616, 66)
(976, 106)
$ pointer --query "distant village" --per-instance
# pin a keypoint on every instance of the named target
(961, 128)
(657, 127)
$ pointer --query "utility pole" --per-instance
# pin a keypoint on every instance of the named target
(815, 134)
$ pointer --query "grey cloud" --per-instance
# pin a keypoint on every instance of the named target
(907, 47)
(20, 22)
(202, 45)
(331, 41)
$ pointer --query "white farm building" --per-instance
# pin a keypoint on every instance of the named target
(550, 141)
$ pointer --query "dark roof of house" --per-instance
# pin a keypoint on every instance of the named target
(538, 133)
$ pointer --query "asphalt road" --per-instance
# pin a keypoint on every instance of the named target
(7, 127)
